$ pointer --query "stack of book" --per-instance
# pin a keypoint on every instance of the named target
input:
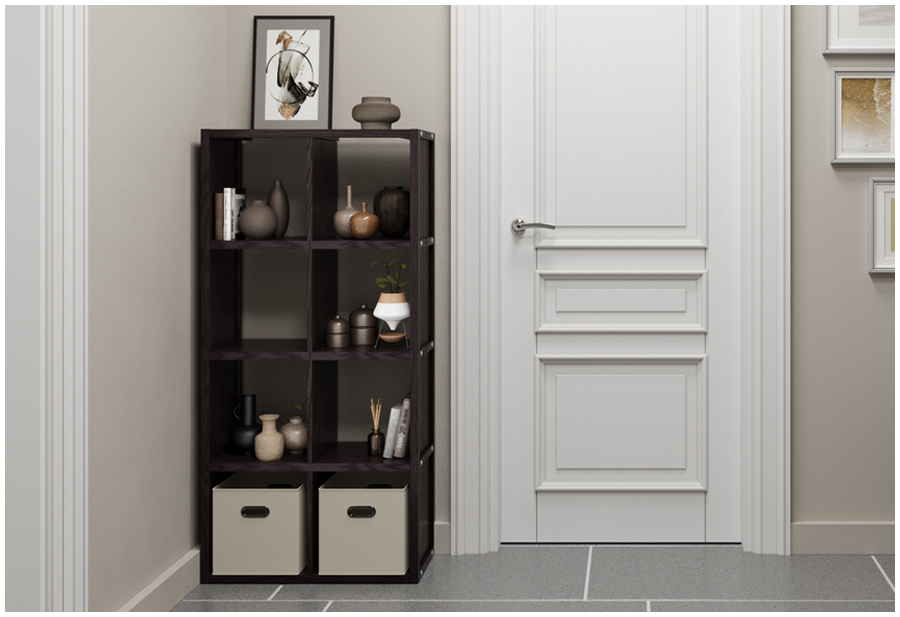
(396, 438)
(229, 205)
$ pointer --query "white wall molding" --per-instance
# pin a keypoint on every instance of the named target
(474, 301)
(766, 280)
(170, 587)
(64, 302)
(765, 410)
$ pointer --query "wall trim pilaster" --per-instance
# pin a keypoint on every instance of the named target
(766, 280)
(474, 264)
(64, 304)
(765, 235)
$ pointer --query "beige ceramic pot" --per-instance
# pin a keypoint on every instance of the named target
(294, 435)
(269, 445)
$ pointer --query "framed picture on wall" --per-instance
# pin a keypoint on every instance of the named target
(859, 29)
(862, 115)
(292, 72)
(881, 225)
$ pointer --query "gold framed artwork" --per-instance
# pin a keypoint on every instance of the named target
(862, 115)
(882, 225)
(859, 29)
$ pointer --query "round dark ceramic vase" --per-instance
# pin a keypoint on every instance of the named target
(243, 434)
(258, 222)
(278, 201)
(392, 209)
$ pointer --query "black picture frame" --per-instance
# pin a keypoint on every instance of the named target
(303, 57)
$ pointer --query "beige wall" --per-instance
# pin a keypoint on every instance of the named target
(397, 51)
(842, 324)
(146, 112)
(156, 77)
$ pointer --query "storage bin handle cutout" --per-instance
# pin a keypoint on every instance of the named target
(254, 511)
(360, 511)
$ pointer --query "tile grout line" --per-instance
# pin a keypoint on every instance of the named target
(327, 606)
(883, 573)
(819, 600)
(274, 593)
(587, 574)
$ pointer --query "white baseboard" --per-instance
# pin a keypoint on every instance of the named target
(170, 587)
(842, 538)
(441, 538)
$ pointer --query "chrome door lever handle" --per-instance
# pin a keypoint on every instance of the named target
(519, 226)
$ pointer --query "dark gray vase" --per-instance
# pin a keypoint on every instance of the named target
(392, 210)
(258, 221)
(278, 201)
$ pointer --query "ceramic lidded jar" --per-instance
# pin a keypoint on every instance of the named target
(363, 326)
(376, 112)
(269, 444)
(337, 332)
(294, 435)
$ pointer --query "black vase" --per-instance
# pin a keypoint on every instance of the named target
(392, 210)
(243, 434)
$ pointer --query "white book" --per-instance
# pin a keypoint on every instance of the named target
(390, 437)
(227, 214)
(402, 431)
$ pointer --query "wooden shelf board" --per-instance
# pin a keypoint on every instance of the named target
(342, 456)
(288, 243)
(375, 243)
(261, 349)
(384, 351)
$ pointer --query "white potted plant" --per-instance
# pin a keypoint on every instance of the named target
(392, 307)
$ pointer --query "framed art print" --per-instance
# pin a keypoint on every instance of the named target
(882, 234)
(862, 115)
(859, 29)
(292, 72)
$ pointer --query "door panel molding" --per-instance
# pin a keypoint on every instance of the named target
(475, 313)
(645, 468)
(614, 224)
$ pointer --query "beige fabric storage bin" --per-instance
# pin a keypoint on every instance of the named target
(258, 529)
(363, 530)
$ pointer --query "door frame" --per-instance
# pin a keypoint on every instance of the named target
(765, 272)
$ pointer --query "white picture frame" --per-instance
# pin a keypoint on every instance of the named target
(862, 116)
(858, 29)
(882, 225)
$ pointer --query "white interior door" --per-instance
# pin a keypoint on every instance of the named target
(620, 338)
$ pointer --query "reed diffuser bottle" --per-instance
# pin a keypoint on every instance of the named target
(375, 440)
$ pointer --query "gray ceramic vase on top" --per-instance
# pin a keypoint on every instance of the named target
(376, 112)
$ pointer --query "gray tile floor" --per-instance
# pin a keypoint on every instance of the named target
(593, 578)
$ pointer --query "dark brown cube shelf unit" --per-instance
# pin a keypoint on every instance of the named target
(223, 350)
